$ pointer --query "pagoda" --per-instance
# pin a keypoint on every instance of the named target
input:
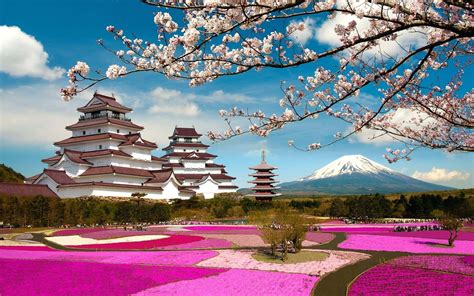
(106, 155)
(193, 166)
(264, 189)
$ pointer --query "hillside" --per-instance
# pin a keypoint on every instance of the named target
(7, 174)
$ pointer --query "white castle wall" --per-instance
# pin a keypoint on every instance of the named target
(92, 146)
(106, 128)
(137, 152)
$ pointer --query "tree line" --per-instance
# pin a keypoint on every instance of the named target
(417, 206)
(40, 211)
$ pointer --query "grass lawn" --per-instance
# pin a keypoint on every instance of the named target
(303, 256)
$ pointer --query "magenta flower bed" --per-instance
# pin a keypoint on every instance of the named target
(455, 264)
(357, 229)
(115, 233)
(319, 237)
(143, 245)
(387, 279)
(27, 248)
(77, 231)
(208, 243)
(469, 260)
(440, 234)
(185, 258)
(240, 282)
(45, 277)
(405, 244)
(224, 229)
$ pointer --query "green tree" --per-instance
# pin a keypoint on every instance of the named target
(452, 225)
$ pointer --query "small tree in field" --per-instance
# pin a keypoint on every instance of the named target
(452, 225)
(283, 230)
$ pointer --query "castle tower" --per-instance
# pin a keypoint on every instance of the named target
(264, 188)
(193, 166)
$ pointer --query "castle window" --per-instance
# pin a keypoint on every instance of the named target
(99, 147)
(99, 130)
(188, 140)
(83, 132)
(118, 131)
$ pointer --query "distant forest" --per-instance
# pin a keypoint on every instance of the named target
(41, 211)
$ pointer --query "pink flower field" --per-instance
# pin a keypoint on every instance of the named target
(143, 245)
(399, 277)
(240, 283)
(29, 277)
(405, 244)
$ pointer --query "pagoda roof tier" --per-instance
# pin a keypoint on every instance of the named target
(262, 187)
(201, 176)
(262, 181)
(262, 174)
(89, 138)
(263, 166)
(261, 194)
(201, 155)
(159, 159)
(102, 121)
(107, 170)
(185, 145)
(137, 140)
(52, 159)
(185, 132)
(108, 184)
(101, 102)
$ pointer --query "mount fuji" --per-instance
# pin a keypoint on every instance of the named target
(356, 174)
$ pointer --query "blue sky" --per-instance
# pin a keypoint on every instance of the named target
(33, 115)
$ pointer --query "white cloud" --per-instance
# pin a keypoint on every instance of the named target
(35, 115)
(22, 55)
(304, 35)
(441, 175)
(403, 118)
(325, 32)
(171, 101)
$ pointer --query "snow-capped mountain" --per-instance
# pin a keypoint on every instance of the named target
(356, 174)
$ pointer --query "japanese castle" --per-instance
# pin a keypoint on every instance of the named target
(107, 156)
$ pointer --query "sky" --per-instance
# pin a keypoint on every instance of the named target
(40, 40)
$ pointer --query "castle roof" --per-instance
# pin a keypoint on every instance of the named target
(105, 170)
(28, 190)
(103, 102)
(187, 132)
(188, 155)
(201, 176)
(58, 176)
(102, 121)
(136, 139)
(185, 145)
(88, 138)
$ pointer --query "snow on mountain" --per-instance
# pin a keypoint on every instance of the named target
(349, 164)
(356, 174)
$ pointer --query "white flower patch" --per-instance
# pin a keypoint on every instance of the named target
(76, 240)
(244, 260)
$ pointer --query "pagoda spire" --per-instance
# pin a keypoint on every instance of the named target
(263, 156)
